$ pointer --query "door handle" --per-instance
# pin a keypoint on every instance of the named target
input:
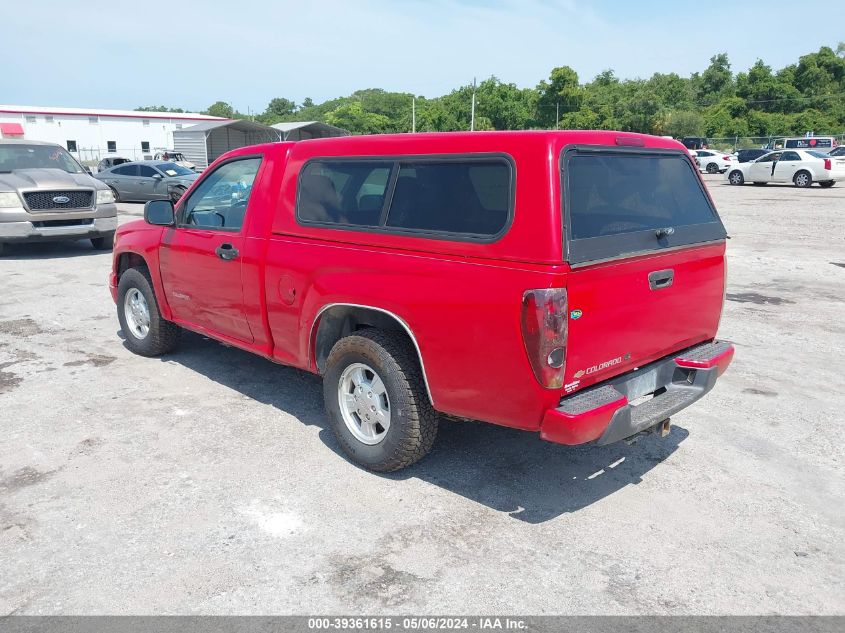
(660, 279)
(226, 252)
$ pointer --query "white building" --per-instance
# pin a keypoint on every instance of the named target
(92, 134)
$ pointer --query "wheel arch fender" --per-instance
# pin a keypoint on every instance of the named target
(127, 259)
(333, 321)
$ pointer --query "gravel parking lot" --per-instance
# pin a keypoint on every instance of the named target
(208, 481)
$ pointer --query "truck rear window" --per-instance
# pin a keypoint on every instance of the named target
(619, 202)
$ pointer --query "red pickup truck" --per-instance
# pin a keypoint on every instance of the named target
(567, 283)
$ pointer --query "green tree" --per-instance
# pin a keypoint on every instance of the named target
(354, 118)
(716, 81)
(560, 95)
(280, 107)
(805, 95)
(221, 109)
(681, 123)
(506, 106)
(434, 116)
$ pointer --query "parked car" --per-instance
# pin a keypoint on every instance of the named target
(839, 151)
(175, 157)
(747, 155)
(111, 161)
(694, 142)
(800, 167)
(566, 283)
(46, 195)
(714, 162)
(147, 180)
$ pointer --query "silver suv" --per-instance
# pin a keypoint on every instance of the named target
(46, 195)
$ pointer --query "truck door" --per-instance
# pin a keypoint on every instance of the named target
(201, 257)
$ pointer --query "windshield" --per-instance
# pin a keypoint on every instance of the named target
(16, 156)
(172, 169)
(818, 154)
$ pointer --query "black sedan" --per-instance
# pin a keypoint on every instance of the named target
(747, 155)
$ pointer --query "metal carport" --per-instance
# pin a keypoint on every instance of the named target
(204, 142)
(301, 130)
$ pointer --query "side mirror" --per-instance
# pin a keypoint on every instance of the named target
(158, 176)
(87, 170)
(159, 213)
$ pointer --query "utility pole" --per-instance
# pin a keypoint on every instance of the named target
(414, 115)
(472, 116)
(557, 116)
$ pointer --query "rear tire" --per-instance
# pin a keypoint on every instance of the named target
(146, 332)
(104, 242)
(827, 183)
(377, 368)
(802, 179)
(712, 168)
(736, 177)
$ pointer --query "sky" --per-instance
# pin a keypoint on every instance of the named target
(191, 53)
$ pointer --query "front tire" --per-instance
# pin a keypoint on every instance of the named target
(827, 183)
(146, 332)
(104, 242)
(116, 194)
(376, 401)
(736, 177)
(802, 179)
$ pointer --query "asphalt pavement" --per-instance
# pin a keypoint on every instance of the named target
(207, 481)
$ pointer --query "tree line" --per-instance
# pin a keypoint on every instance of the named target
(808, 95)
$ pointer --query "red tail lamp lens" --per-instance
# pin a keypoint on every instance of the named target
(544, 330)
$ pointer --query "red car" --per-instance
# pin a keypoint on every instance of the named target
(566, 283)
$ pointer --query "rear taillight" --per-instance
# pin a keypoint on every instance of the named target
(544, 328)
(827, 164)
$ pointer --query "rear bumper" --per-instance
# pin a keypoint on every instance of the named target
(608, 413)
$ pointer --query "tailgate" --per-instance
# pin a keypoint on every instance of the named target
(647, 249)
(631, 315)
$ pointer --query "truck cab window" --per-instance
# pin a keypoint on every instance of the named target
(220, 200)
(343, 192)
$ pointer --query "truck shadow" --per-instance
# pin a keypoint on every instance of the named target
(50, 250)
(510, 471)
(534, 481)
